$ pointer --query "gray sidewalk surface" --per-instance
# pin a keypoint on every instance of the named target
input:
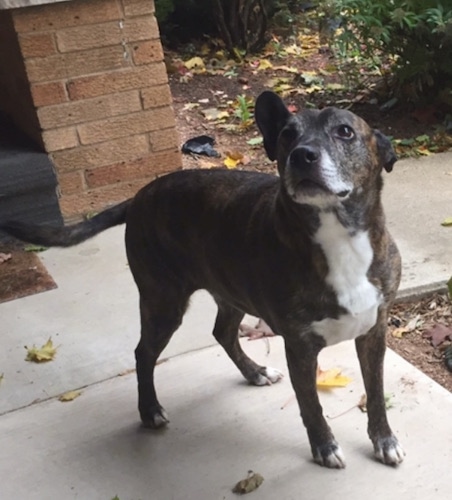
(93, 447)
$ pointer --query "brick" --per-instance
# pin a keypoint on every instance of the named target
(60, 138)
(74, 64)
(62, 15)
(156, 96)
(104, 153)
(71, 182)
(87, 110)
(98, 199)
(130, 124)
(89, 36)
(117, 81)
(105, 34)
(164, 139)
(141, 28)
(146, 167)
(138, 7)
(37, 45)
(147, 52)
(46, 94)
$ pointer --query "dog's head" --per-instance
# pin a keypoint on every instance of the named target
(323, 156)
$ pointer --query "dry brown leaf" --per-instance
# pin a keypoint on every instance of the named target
(438, 334)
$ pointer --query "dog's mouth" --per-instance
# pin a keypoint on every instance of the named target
(309, 188)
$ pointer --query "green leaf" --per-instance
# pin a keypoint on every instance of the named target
(449, 287)
(406, 142)
(255, 141)
(422, 138)
(34, 248)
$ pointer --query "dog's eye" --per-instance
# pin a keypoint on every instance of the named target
(345, 132)
(289, 134)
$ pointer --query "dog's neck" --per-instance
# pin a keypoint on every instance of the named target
(356, 214)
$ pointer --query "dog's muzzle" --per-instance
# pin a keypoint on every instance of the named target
(313, 173)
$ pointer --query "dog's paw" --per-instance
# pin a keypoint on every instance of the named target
(155, 420)
(389, 451)
(267, 376)
(329, 455)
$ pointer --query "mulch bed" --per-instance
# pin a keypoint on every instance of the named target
(410, 328)
(22, 274)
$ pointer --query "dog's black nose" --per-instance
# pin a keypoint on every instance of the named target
(304, 155)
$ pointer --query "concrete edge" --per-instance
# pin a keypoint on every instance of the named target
(421, 291)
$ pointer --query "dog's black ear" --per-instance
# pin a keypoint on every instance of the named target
(385, 151)
(271, 115)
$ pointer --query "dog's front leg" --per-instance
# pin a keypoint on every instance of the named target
(302, 362)
(371, 351)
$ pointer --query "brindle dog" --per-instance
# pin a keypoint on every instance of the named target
(307, 251)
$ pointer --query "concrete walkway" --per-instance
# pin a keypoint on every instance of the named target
(92, 448)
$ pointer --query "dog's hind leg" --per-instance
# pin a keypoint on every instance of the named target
(159, 320)
(226, 333)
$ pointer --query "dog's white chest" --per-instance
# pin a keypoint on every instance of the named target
(349, 258)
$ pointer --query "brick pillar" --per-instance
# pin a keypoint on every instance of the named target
(99, 84)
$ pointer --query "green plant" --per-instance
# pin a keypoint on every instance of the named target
(413, 36)
(243, 109)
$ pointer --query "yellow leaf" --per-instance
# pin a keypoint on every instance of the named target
(423, 150)
(264, 64)
(447, 221)
(233, 158)
(292, 50)
(331, 378)
(194, 62)
(69, 396)
(41, 354)
(398, 333)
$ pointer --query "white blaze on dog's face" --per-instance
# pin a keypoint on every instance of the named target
(324, 157)
(316, 152)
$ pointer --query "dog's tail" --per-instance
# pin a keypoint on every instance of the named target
(67, 236)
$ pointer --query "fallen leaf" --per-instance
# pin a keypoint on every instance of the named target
(447, 221)
(449, 287)
(212, 114)
(194, 62)
(249, 484)
(264, 64)
(255, 141)
(398, 333)
(362, 404)
(34, 248)
(2, 376)
(69, 396)
(190, 105)
(438, 334)
(413, 323)
(4, 257)
(41, 354)
(331, 378)
(233, 158)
